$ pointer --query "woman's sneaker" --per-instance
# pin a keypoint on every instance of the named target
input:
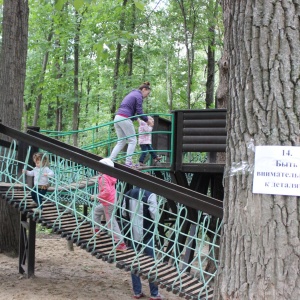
(139, 296)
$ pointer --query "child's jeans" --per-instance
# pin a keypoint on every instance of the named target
(37, 196)
(146, 148)
(136, 281)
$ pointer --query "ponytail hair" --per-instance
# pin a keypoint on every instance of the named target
(145, 85)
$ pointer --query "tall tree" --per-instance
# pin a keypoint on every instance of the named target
(117, 62)
(189, 28)
(76, 105)
(13, 61)
(213, 6)
(260, 241)
(129, 55)
(41, 82)
(12, 78)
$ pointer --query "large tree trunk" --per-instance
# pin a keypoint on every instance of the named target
(260, 242)
(12, 79)
(9, 228)
(13, 61)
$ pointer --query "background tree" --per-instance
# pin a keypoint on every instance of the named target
(260, 242)
(213, 8)
(12, 77)
(122, 43)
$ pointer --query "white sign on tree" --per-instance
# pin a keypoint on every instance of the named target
(277, 170)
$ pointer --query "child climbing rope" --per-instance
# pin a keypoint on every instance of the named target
(41, 174)
(145, 141)
(107, 196)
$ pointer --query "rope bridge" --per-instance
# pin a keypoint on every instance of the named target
(184, 262)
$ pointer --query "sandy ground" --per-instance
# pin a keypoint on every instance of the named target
(64, 274)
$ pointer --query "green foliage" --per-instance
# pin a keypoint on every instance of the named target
(78, 4)
(59, 4)
(140, 5)
(42, 229)
(156, 35)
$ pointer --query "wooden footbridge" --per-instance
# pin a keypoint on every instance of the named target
(187, 230)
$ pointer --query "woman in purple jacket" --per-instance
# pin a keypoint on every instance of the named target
(131, 105)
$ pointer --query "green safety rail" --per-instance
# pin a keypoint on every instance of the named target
(102, 138)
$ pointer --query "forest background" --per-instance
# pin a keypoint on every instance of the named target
(85, 56)
(82, 58)
(66, 65)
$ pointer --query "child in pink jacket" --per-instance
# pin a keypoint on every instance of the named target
(107, 196)
(145, 141)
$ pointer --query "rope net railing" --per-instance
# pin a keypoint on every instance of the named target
(187, 254)
(8, 162)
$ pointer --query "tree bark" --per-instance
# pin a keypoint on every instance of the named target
(41, 82)
(210, 81)
(260, 241)
(12, 78)
(59, 102)
(9, 229)
(13, 61)
(170, 92)
(129, 56)
(189, 34)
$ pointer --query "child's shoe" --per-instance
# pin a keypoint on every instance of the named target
(142, 164)
(131, 165)
(158, 297)
(139, 296)
(121, 247)
(128, 165)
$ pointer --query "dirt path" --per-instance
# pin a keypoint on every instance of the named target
(63, 274)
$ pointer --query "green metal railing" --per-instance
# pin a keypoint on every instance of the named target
(101, 139)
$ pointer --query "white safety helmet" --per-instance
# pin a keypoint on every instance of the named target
(107, 161)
